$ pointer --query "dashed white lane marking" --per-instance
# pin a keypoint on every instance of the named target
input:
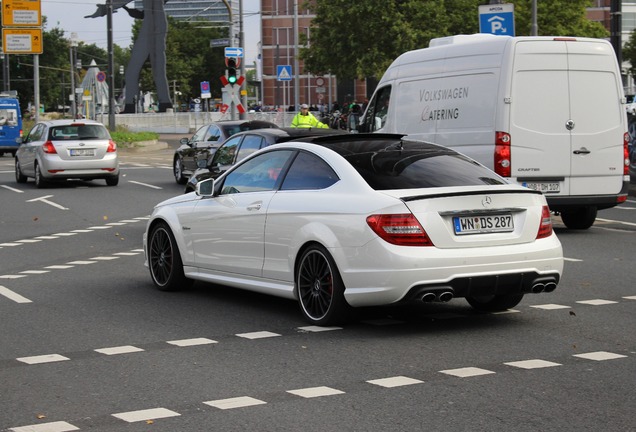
(600, 356)
(12, 276)
(550, 306)
(12, 189)
(532, 364)
(192, 342)
(46, 237)
(258, 335)
(126, 253)
(397, 381)
(6, 292)
(46, 358)
(59, 426)
(10, 244)
(145, 184)
(144, 415)
(236, 402)
(100, 227)
(29, 241)
(596, 302)
(467, 372)
(126, 349)
(65, 234)
(59, 267)
(630, 297)
(312, 392)
(80, 231)
(105, 258)
(35, 272)
(615, 221)
(319, 329)
(81, 262)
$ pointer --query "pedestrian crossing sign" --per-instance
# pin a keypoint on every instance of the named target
(283, 73)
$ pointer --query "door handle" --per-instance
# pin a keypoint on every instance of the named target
(255, 206)
(583, 150)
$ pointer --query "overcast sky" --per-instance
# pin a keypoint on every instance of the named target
(69, 16)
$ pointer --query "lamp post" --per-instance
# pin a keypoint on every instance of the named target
(111, 67)
(72, 95)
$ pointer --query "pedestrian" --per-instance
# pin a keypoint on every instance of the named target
(305, 119)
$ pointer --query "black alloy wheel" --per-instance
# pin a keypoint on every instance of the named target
(320, 288)
(164, 261)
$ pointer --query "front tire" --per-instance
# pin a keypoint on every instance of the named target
(495, 303)
(19, 177)
(579, 218)
(178, 171)
(164, 260)
(319, 287)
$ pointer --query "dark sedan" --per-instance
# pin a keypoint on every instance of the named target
(241, 145)
(205, 141)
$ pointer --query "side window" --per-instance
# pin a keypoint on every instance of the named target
(258, 174)
(250, 144)
(308, 171)
(376, 115)
(214, 133)
(225, 154)
(36, 133)
(199, 135)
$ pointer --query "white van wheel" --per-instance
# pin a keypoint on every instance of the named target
(579, 218)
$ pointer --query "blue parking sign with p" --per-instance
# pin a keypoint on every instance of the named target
(497, 19)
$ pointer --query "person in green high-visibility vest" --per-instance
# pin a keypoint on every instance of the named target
(305, 119)
(150, 44)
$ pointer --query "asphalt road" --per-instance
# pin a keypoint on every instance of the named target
(87, 343)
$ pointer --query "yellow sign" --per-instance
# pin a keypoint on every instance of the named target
(21, 13)
(22, 41)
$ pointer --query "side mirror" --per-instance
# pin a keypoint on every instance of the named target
(205, 188)
(185, 141)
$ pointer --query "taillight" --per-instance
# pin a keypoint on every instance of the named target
(399, 229)
(502, 154)
(112, 147)
(545, 228)
(626, 154)
(49, 148)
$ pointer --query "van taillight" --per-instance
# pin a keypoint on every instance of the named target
(626, 154)
(49, 148)
(545, 228)
(502, 154)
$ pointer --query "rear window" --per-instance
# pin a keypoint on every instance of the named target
(79, 131)
(412, 165)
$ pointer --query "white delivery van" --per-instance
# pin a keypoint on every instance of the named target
(546, 112)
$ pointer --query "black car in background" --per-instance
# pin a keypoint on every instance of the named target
(204, 142)
(243, 144)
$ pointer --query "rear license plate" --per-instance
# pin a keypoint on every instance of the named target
(483, 224)
(544, 187)
(82, 152)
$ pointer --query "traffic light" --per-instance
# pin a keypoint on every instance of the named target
(231, 70)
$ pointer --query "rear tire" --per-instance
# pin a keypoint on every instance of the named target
(19, 177)
(579, 218)
(164, 260)
(320, 288)
(39, 180)
(496, 303)
(112, 181)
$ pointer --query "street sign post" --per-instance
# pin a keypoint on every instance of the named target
(21, 13)
(22, 41)
(283, 73)
(497, 19)
(235, 52)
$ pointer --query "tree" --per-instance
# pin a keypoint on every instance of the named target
(361, 39)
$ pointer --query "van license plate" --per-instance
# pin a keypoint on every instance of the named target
(544, 187)
(82, 152)
(483, 224)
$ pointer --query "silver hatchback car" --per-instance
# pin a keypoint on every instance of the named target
(67, 149)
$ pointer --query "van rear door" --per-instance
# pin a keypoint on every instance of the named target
(566, 123)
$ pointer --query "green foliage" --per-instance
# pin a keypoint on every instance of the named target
(361, 39)
(629, 52)
(123, 136)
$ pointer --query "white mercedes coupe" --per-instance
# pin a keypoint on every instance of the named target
(358, 220)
